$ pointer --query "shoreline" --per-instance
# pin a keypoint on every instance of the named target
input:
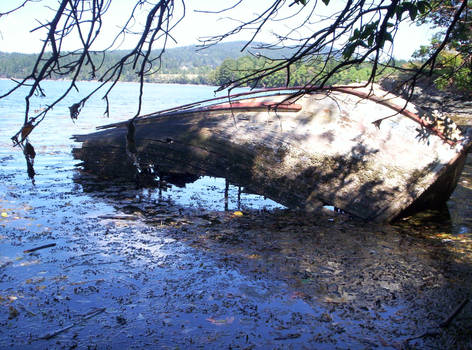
(120, 82)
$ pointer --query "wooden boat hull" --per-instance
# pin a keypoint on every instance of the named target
(320, 148)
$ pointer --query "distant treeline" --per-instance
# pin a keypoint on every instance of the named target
(300, 73)
(188, 65)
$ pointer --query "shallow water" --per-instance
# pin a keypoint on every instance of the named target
(175, 270)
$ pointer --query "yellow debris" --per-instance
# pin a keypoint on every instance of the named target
(254, 256)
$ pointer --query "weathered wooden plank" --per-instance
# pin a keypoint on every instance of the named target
(328, 151)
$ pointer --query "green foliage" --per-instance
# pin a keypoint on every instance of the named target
(453, 65)
(185, 65)
(413, 8)
(452, 72)
(179, 65)
(373, 35)
(300, 73)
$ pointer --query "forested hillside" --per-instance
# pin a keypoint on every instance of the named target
(179, 61)
(215, 65)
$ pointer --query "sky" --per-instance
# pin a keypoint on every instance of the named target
(16, 35)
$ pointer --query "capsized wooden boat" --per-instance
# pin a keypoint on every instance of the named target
(359, 149)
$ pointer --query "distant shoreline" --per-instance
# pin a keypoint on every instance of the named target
(119, 82)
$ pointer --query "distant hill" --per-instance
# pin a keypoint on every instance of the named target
(186, 59)
(195, 57)
(215, 65)
(213, 56)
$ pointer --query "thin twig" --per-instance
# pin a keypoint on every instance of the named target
(40, 247)
(444, 324)
(448, 320)
(87, 316)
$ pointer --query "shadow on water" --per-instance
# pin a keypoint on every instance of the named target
(366, 284)
(453, 217)
(172, 275)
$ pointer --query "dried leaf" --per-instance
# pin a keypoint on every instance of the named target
(254, 256)
(382, 341)
(289, 336)
(221, 322)
(30, 168)
(26, 130)
(121, 320)
(75, 110)
(29, 150)
(377, 123)
(297, 295)
(12, 312)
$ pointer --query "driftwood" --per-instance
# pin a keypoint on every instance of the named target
(119, 217)
(40, 247)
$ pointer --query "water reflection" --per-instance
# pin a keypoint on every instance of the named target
(439, 218)
(184, 190)
(453, 217)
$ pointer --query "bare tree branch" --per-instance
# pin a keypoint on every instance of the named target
(221, 11)
(6, 13)
(356, 32)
